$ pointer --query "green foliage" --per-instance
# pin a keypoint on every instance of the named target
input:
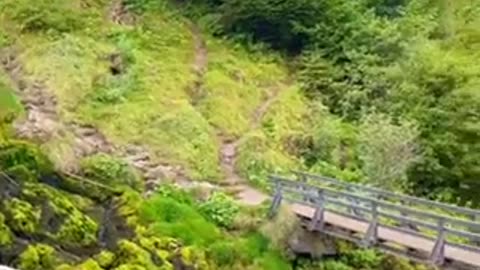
(43, 15)
(387, 150)
(22, 216)
(5, 233)
(10, 106)
(334, 265)
(78, 229)
(220, 209)
(110, 171)
(18, 153)
(224, 253)
(179, 220)
(38, 257)
(362, 259)
(105, 259)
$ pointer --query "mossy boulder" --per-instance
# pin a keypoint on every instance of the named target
(111, 171)
(194, 257)
(38, 257)
(78, 229)
(89, 264)
(17, 154)
(105, 259)
(5, 233)
(22, 216)
(75, 227)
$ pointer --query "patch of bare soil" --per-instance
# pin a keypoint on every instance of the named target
(199, 66)
(120, 14)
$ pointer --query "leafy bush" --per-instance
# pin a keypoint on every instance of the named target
(280, 229)
(220, 209)
(224, 253)
(110, 171)
(38, 257)
(43, 15)
(362, 259)
(18, 153)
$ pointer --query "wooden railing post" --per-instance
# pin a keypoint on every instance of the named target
(316, 224)
(438, 252)
(303, 180)
(353, 201)
(277, 199)
(371, 236)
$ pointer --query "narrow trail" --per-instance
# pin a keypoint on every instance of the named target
(120, 14)
(229, 154)
(43, 122)
(199, 66)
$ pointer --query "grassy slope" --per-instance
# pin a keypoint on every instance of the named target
(149, 103)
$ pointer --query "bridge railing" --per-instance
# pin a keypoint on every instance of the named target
(376, 208)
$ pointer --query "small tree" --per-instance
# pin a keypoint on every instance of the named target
(387, 150)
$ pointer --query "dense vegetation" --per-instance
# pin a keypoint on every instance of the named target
(382, 92)
(401, 77)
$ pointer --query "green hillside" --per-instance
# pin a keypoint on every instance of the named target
(104, 104)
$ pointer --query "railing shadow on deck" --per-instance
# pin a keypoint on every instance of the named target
(436, 226)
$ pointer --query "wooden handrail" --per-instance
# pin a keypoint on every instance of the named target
(374, 211)
(389, 194)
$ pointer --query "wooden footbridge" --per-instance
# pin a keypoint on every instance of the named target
(419, 229)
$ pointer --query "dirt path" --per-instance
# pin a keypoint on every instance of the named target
(229, 153)
(119, 13)
(199, 65)
(42, 122)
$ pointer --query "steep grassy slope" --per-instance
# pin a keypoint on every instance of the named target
(159, 98)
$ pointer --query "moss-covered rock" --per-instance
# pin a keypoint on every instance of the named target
(38, 257)
(111, 171)
(19, 153)
(194, 257)
(89, 264)
(105, 259)
(22, 216)
(78, 229)
(131, 253)
(5, 233)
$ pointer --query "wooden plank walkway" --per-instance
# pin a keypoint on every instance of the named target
(419, 229)
(390, 235)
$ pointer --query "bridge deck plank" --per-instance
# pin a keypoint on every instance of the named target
(391, 235)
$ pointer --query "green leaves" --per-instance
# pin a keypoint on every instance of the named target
(220, 209)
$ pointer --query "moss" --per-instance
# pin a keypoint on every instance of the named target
(14, 153)
(21, 173)
(22, 216)
(194, 257)
(5, 233)
(110, 171)
(38, 257)
(78, 229)
(131, 253)
(155, 243)
(88, 265)
(105, 259)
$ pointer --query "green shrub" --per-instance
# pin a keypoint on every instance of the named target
(105, 259)
(224, 253)
(18, 153)
(110, 171)
(22, 216)
(5, 233)
(38, 257)
(362, 259)
(334, 265)
(43, 15)
(178, 220)
(220, 209)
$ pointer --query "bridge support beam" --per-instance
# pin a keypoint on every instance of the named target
(438, 252)
(371, 236)
(277, 200)
(318, 217)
